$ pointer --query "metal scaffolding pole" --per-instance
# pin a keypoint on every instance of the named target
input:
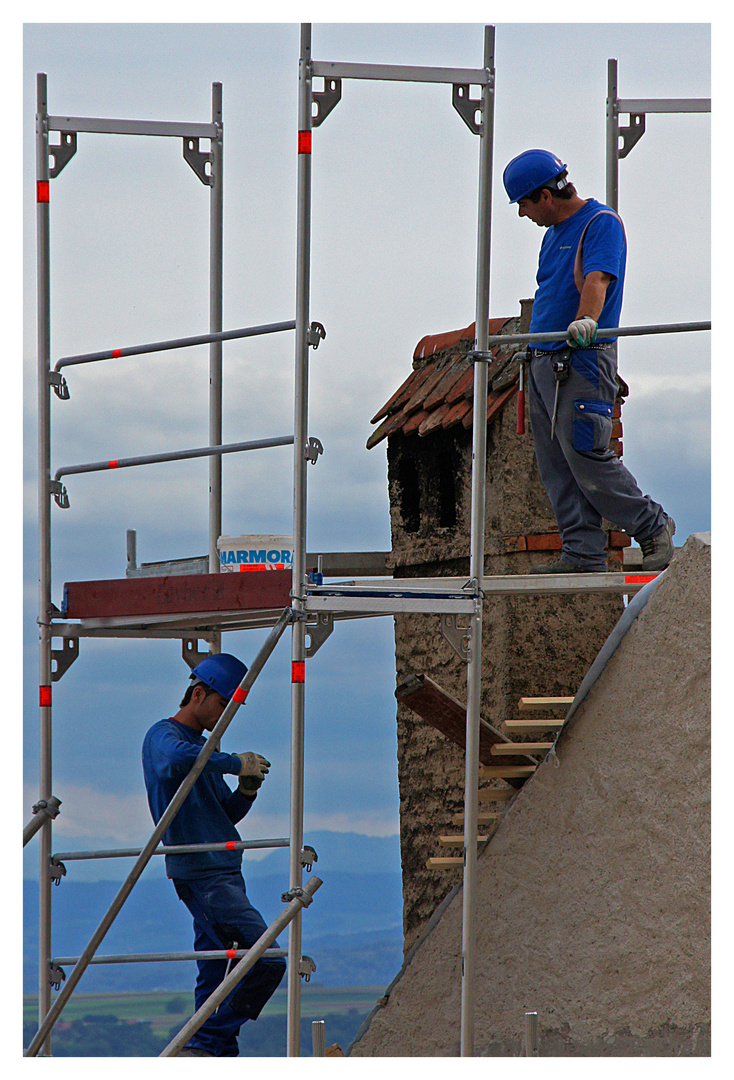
(476, 570)
(300, 430)
(43, 301)
(216, 203)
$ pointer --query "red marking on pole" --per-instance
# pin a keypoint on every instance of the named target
(230, 845)
(298, 671)
(44, 697)
(42, 191)
(304, 142)
(231, 954)
(116, 354)
(111, 464)
(239, 695)
(638, 579)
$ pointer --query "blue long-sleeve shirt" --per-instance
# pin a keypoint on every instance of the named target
(210, 810)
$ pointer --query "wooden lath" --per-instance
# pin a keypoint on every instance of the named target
(443, 712)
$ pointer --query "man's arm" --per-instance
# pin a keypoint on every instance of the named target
(593, 295)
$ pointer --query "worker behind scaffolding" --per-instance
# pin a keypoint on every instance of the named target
(210, 883)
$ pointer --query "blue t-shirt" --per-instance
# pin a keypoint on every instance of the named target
(557, 298)
(210, 810)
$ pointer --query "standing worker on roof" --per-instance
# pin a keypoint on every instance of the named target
(573, 381)
(210, 883)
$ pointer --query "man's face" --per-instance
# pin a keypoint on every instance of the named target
(543, 212)
(209, 707)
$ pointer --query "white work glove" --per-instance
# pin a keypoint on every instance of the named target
(254, 770)
(581, 332)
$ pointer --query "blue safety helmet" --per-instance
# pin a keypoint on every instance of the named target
(530, 170)
(222, 672)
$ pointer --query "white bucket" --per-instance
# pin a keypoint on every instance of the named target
(247, 553)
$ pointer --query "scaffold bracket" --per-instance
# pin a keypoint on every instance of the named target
(64, 657)
(190, 652)
(60, 385)
(325, 100)
(199, 160)
(59, 492)
(306, 968)
(313, 449)
(315, 334)
(58, 871)
(61, 153)
(631, 134)
(318, 632)
(467, 107)
(56, 975)
(308, 857)
(457, 634)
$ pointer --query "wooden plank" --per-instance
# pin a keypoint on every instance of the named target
(177, 594)
(484, 817)
(495, 794)
(508, 749)
(444, 862)
(458, 841)
(534, 725)
(506, 772)
(442, 711)
(544, 702)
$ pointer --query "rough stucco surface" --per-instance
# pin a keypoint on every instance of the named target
(594, 892)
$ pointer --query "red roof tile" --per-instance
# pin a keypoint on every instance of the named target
(439, 392)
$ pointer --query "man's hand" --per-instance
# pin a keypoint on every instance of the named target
(581, 332)
(254, 770)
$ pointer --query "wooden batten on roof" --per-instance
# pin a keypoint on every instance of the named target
(439, 392)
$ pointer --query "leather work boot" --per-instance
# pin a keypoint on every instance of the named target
(563, 566)
(657, 551)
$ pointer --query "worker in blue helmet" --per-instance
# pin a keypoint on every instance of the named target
(572, 380)
(210, 883)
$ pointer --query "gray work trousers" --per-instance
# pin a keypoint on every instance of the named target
(583, 478)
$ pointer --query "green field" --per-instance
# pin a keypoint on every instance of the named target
(169, 1009)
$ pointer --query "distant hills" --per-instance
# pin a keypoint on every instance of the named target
(353, 928)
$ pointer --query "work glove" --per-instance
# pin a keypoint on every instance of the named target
(581, 332)
(254, 770)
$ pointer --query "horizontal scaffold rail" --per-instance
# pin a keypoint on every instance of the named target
(615, 331)
(162, 958)
(101, 125)
(400, 73)
(171, 849)
(174, 343)
(61, 496)
(457, 595)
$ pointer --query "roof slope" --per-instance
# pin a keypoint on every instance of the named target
(439, 392)
(594, 892)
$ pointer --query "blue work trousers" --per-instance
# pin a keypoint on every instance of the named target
(584, 479)
(224, 919)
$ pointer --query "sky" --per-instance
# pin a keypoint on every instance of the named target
(393, 258)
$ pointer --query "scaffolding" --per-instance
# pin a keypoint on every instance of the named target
(313, 606)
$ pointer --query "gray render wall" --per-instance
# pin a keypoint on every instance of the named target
(594, 893)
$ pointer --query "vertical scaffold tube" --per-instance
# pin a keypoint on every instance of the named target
(612, 139)
(479, 463)
(44, 537)
(216, 207)
(300, 428)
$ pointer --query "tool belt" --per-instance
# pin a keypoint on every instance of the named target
(596, 346)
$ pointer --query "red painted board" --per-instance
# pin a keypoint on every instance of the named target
(177, 594)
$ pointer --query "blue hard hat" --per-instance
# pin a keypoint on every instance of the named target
(530, 170)
(222, 672)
